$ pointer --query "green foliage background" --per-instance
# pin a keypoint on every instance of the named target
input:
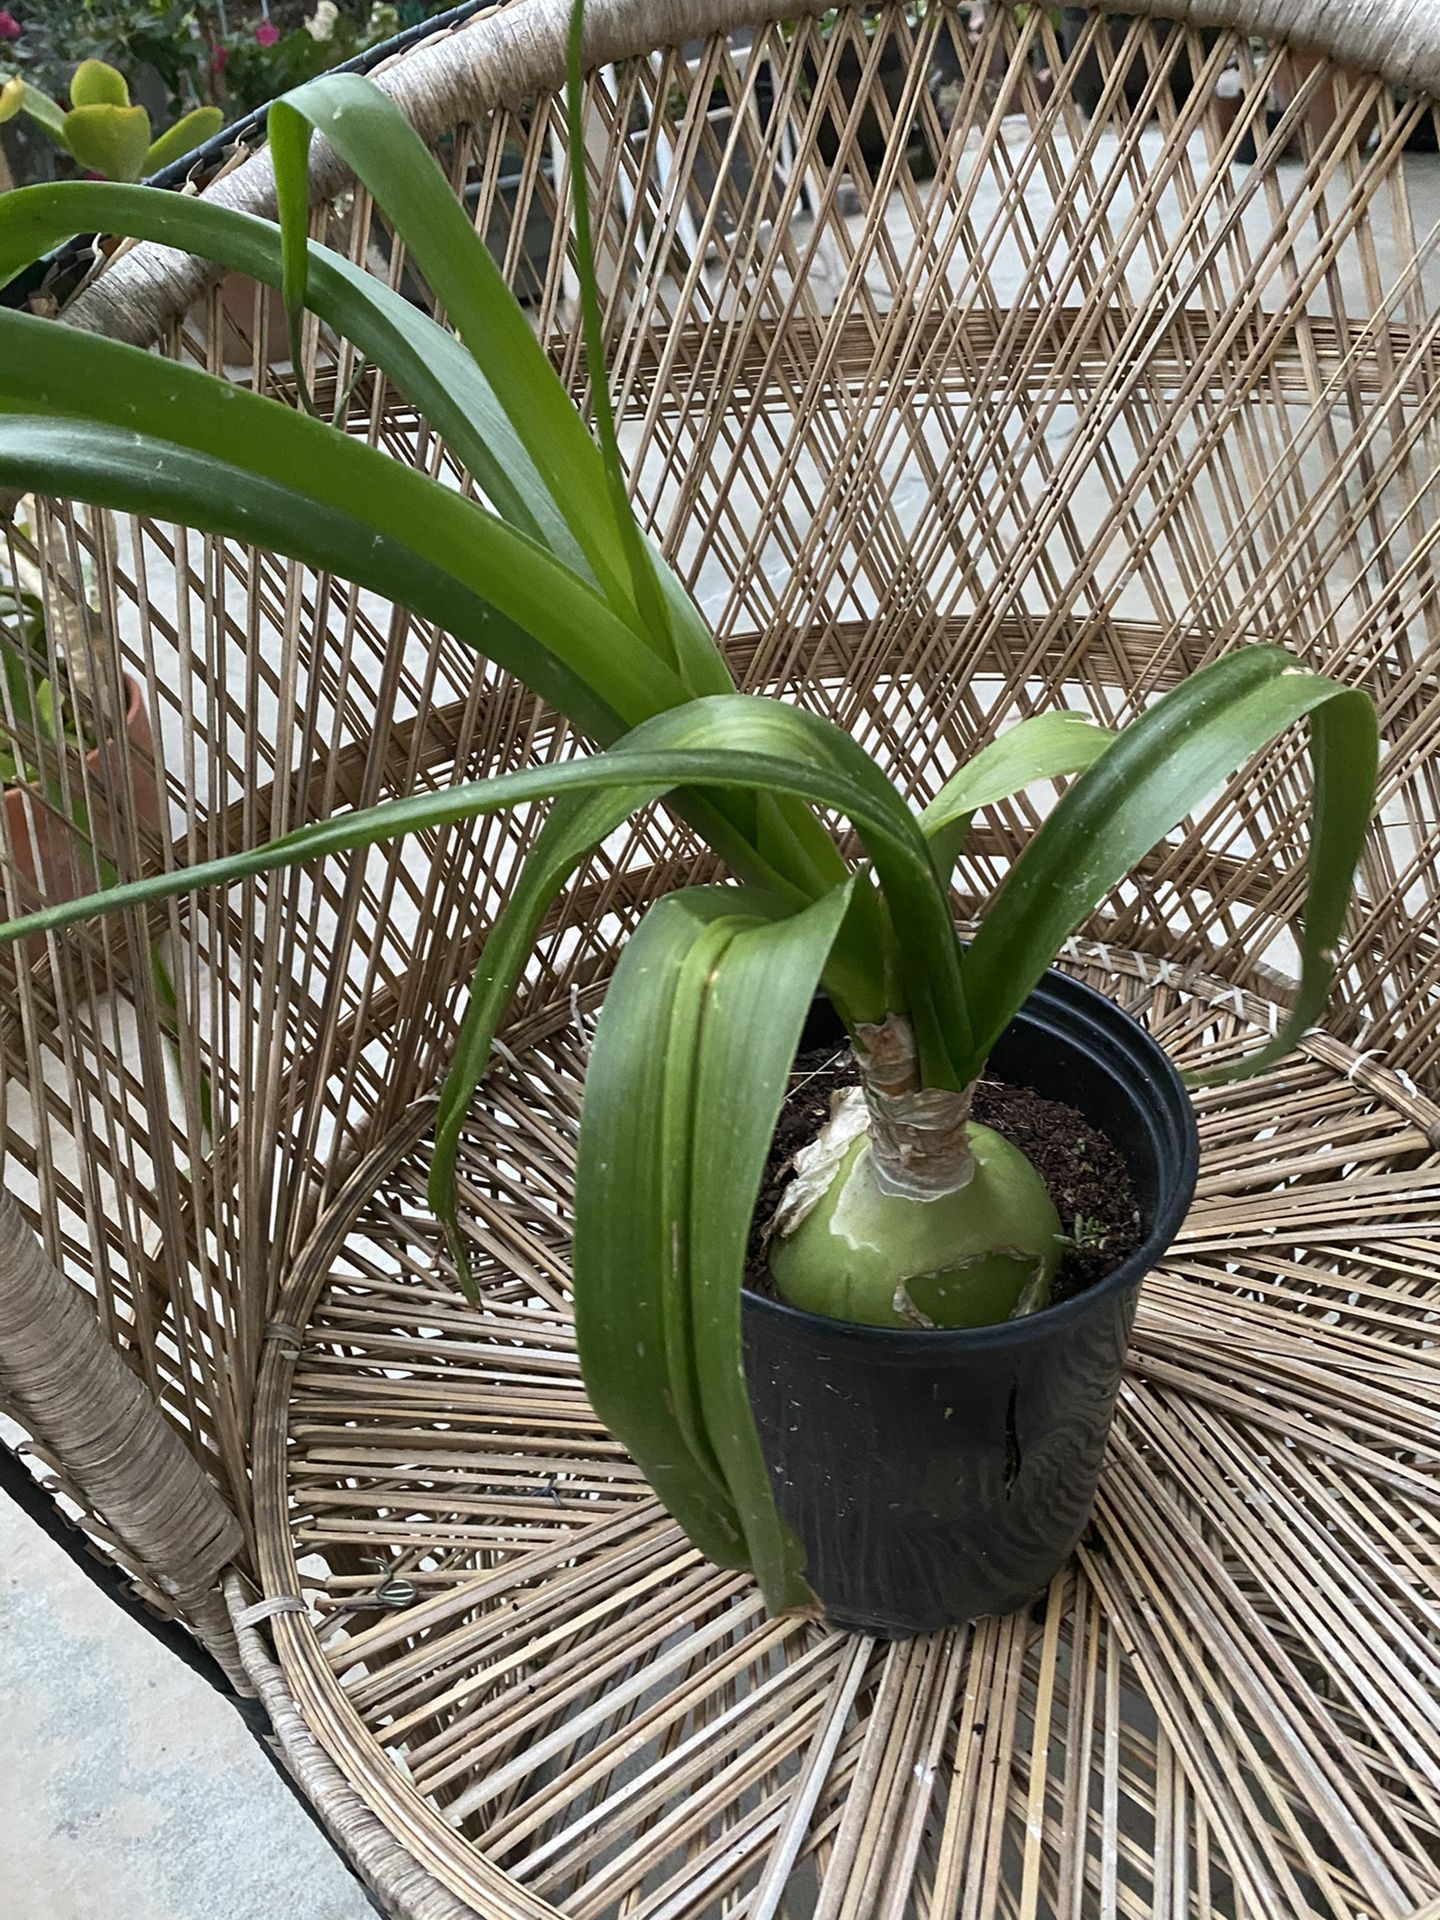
(176, 55)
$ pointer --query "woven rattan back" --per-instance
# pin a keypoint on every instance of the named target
(965, 371)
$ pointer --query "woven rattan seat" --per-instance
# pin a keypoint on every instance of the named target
(954, 400)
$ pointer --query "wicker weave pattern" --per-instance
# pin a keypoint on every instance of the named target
(608, 1720)
(953, 404)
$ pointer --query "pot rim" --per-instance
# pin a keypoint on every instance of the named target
(1160, 1071)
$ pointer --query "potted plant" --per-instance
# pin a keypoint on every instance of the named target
(57, 829)
(921, 1279)
(102, 129)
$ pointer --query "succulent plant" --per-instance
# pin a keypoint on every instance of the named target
(103, 132)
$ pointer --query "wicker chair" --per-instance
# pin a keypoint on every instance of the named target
(955, 400)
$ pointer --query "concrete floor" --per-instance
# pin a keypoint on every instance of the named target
(127, 1786)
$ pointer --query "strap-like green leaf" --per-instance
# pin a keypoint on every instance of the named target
(572, 829)
(682, 1093)
(924, 965)
(751, 1008)
(1158, 770)
(631, 1207)
(884, 823)
(389, 157)
(437, 373)
(79, 373)
(1042, 748)
(424, 360)
(643, 584)
(48, 712)
(386, 153)
(736, 742)
(134, 474)
(18, 667)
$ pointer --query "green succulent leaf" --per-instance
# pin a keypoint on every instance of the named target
(573, 829)
(738, 742)
(925, 966)
(408, 518)
(109, 140)
(16, 680)
(95, 83)
(1158, 770)
(191, 130)
(438, 374)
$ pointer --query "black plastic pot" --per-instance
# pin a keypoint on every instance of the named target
(938, 1476)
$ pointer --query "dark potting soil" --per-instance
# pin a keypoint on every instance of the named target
(1086, 1177)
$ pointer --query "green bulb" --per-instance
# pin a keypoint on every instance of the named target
(968, 1259)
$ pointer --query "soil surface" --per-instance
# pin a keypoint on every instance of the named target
(1085, 1175)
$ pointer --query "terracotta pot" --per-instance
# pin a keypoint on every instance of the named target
(50, 860)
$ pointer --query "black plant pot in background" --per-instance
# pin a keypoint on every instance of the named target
(871, 138)
(938, 1476)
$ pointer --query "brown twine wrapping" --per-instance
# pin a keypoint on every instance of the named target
(65, 1383)
(502, 57)
(405, 1889)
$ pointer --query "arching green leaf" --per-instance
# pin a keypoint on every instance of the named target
(1042, 748)
(683, 1090)
(1159, 769)
(134, 474)
(66, 371)
(425, 360)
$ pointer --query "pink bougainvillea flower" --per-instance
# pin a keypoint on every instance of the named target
(266, 34)
(218, 59)
(9, 25)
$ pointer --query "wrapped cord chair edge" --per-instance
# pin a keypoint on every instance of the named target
(404, 1889)
(66, 1384)
(18, 1484)
(499, 57)
(84, 1405)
